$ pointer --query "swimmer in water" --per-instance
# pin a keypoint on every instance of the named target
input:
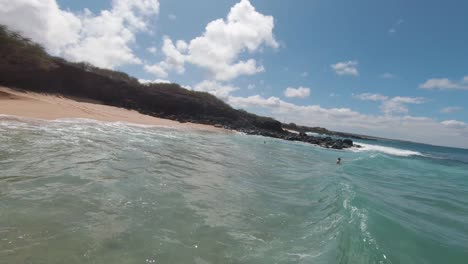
(338, 161)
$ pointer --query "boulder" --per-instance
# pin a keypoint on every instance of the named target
(337, 145)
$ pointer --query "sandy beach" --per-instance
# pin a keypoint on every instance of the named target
(52, 107)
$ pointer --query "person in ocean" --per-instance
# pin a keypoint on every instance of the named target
(338, 161)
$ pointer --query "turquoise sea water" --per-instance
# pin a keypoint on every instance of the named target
(78, 191)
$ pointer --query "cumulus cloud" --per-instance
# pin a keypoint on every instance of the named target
(346, 68)
(451, 109)
(102, 39)
(218, 49)
(445, 84)
(42, 21)
(255, 101)
(301, 92)
(395, 105)
(174, 59)
(217, 89)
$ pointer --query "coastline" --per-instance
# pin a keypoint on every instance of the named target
(27, 104)
(53, 107)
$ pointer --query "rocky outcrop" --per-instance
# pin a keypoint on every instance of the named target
(325, 142)
(324, 131)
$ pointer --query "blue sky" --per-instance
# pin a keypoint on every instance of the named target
(388, 68)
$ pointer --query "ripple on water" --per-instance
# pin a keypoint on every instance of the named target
(90, 192)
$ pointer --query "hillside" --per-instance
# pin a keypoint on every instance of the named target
(25, 65)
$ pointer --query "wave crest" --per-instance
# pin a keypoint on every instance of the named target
(387, 150)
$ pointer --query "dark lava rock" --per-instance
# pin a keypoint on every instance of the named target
(338, 144)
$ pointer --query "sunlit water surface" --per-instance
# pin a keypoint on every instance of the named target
(79, 191)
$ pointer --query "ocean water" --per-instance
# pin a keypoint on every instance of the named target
(80, 191)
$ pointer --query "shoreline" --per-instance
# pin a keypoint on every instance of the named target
(27, 104)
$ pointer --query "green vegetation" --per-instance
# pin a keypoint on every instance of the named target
(25, 65)
(18, 51)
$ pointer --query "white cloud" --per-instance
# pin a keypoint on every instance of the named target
(387, 75)
(398, 104)
(215, 88)
(188, 87)
(42, 21)
(395, 26)
(346, 68)
(102, 39)
(418, 129)
(251, 86)
(450, 109)
(454, 124)
(371, 97)
(156, 70)
(255, 101)
(152, 50)
(144, 81)
(389, 105)
(174, 59)
(181, 45)
(217, 50)
(445, 84)
(301, 92)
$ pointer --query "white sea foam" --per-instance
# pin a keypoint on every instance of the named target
(314, 134)
(107, 123)
(302, 256)
(292, 131)
(386, 150)
(14, 120)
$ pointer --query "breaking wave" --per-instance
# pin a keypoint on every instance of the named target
(387, 150)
